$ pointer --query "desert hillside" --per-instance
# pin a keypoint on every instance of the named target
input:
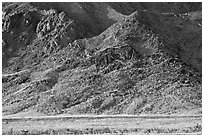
(101, 58)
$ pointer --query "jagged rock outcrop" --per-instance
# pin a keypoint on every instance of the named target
(145, 63)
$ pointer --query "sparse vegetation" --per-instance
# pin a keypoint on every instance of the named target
(106, 130)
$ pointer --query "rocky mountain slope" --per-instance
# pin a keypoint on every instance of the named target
(102, 58)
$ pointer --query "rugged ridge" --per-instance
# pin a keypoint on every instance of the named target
(144, 63)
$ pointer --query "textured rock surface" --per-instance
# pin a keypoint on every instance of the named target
(76, 58)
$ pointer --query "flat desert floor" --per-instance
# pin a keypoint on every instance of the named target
(63, 125)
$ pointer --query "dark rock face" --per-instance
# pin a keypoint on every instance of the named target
(55, 62)
(18, 31)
